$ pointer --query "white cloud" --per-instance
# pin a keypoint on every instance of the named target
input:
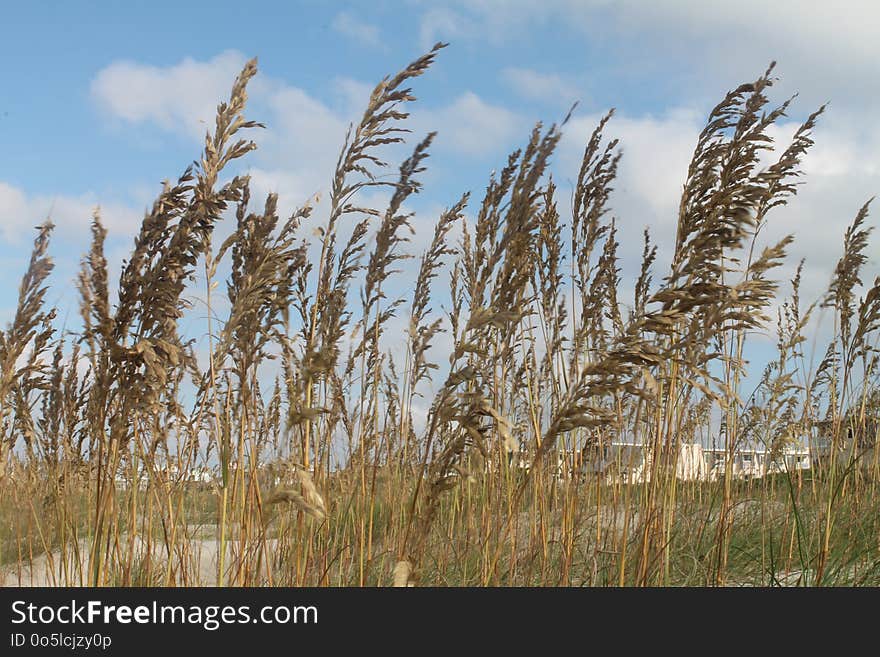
(305, 125)
(182, 97)
(829, 50)
(443, 24)
(354, 94)
(350, 26)
(14, 212)
(21, 212)
(656, 153)
(547, 87)
(304, 134)
(72, 215)
(790, 24)
(470, 125)
(806, 26)
(298, 149)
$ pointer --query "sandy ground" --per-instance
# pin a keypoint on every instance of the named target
(195, 566)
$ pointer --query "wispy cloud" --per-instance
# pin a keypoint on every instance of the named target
(443, 24)
(826, 48)
(549, 88)
(182, 97)
(471, 126)
(352, 27)
(20, 212)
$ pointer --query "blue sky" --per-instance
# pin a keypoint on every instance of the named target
(103, 101)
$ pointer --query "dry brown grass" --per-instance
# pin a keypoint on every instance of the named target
(97, 438)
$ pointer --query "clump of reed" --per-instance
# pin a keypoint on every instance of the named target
(321, 473)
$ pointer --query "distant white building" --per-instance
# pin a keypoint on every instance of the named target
(755, 462)
(622, 462)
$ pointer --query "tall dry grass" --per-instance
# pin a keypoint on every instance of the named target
(325, 476)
